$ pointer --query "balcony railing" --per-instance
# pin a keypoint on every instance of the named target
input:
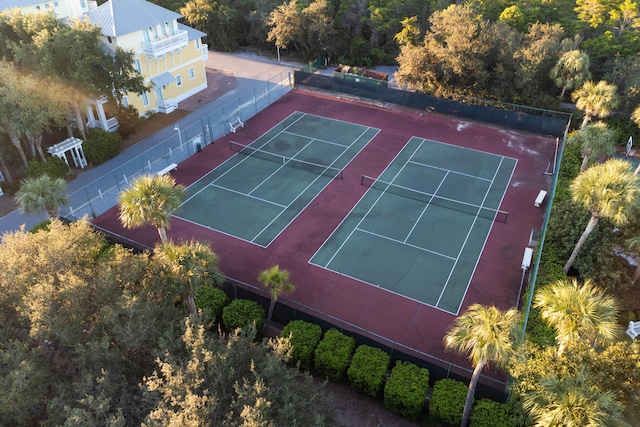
(165, 45)
(167, 105)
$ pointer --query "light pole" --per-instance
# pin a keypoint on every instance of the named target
(177, 129)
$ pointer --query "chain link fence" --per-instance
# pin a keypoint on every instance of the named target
(100, 195)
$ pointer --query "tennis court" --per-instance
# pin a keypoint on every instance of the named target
(256, 194)
(420, 228)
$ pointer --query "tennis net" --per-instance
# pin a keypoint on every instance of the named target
(315, 168)
(430, 199)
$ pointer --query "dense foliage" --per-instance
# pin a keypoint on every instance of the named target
(304, 337)
(489, 413)
(368, 370)
(211, 300)
(406, 389)
(447, 401)
(101, 146)
(333, 354)
(241, 313)
(91, 335)
(55, 167)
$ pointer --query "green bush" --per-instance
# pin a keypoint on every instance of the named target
(211, 299)
(55, 168)
(368, 370)
(488, 413)
(129, 121)
(333, 353)
(447, 401)
(305, 337)
(101, 146)
(41, 226)
(406, 390)
(242, 312)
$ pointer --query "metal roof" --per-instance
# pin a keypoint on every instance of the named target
(192, 33)
(163, 79)
(119, 17)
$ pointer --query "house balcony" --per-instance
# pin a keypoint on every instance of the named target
(205, 52)
(161, 47)
(166, 106)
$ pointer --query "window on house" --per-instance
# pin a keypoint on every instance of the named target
(178, 80)
(37, 7)
(136, 65)
(125, 101)
(197, 44)
(192, 73)
(83, 3)
(46, 6)
(109, 39)
(145, 99)
(55, 4)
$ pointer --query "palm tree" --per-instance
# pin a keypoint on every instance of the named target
(42, 194)
(150, 200)
(277, 281)
(573, 402)
(595, 139)
(487, 335)
(191, 265)
(608, 190)
(571, 71)
(578, 313)
(595, 99)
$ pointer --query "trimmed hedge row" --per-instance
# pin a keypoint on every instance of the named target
(406, 389)
(305, 337)
(333, 354)
(447, 401)
(368, 370)
(242, 312)
(213, 300)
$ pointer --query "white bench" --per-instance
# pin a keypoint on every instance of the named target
(168, 169)
(634, 329)
(541, 195)
(235, 125)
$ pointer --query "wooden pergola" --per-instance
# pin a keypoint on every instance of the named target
(72, 145)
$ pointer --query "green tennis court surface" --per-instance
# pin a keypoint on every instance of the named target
(256, 193)
(421, 226)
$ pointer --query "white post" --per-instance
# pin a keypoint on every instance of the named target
(177, 129)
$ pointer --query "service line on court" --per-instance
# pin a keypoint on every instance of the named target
(466, 239)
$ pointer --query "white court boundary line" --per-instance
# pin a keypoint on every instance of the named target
(358, 228)
(302, 115)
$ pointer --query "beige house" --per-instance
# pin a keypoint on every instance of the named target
(168, 54)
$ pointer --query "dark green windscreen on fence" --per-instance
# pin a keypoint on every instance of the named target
(512, 116)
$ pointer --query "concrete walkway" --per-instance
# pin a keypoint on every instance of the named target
(250, 70)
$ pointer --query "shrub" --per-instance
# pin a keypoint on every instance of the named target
(368, 370)
(129, 121)
(333, 353)
(242, 312)
(305, 337)
(101, 146)
(55, 168)
(447, 401)
(488, 413)
(211, 299)
(406, 390)
(41, 226)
